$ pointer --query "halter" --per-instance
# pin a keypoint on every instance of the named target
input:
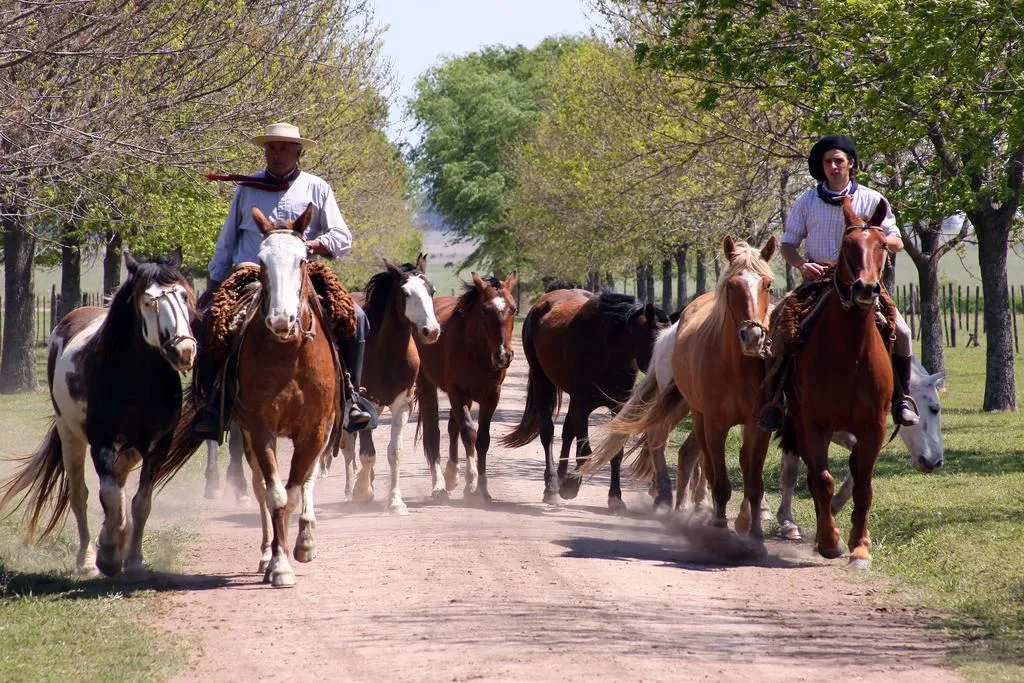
(764, 348)
(165, 348)
(847, 302)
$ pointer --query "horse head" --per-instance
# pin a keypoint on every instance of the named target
(861, 257)
(924, 440)
(645, 324)
(747, 284)
(282, 259)
(165, 305)
(415, 298)
(496, 313)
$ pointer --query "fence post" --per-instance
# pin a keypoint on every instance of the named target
(910, 311)
(942, 311)
(1013, 315)
(952, 317)
(977, 307)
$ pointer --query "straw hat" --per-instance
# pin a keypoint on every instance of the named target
(282, 132)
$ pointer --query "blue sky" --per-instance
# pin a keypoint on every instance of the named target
(422, 31)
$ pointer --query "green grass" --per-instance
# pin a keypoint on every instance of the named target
(56, 626)
(952, 540)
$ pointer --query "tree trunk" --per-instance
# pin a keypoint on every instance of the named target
(70, 271)
(993, 238)
(666, 285)
(641, 282)
(889, 274)
(609, 281)
(18, 364)
(649, 270)
(701, 276)
(932, 343)
(681, 293)
(112, 263)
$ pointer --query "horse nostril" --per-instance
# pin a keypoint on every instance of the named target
(938, 464)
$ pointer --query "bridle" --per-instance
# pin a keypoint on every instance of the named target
(847, 301)
(167, 346)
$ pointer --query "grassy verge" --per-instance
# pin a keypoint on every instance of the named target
(952, 539)
(55, 626)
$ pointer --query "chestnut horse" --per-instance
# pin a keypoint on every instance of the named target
(842, 381)
(114, 385)
(716, 372)
(399, 307)
(589, 346)
(468, 362)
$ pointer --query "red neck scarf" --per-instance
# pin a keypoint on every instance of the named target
(263, 181)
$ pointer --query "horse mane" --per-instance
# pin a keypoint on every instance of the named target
(121, 314)
(378, 290)
(470, 294)
(617, 310)
(745, 257)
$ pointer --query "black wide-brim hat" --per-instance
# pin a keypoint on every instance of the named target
(814, 161)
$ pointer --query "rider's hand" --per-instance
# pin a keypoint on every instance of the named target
(811, 270)
(317, 247)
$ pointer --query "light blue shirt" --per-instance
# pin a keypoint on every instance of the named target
(240, 237)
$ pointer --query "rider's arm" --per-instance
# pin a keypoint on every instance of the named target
(794, 234)
(333, 238)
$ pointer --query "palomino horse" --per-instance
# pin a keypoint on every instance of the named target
(923, 442)
(399, 307)
(468, 362)
(114, 385)
(591, 347)
(716, 370)
(842, 381)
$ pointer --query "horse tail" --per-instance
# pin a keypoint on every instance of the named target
(787, 436)
(647, 409)
(41, 473)
(183, 444)
(551, 403)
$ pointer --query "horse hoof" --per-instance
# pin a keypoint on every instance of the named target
(766, 514)
(305, 554)
(552, 498)
(363, 496)
(860, 564)
(831, 553)
(282, 580)
(570, 488)
(262, 569)
(790, 531)
(212, 491)
(109, 566)
(398, 509)
(440, 494)
(616, 506)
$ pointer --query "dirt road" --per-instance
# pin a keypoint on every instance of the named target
(527, 592)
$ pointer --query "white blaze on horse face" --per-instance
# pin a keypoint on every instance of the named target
(499, 303)
(419, 309)
(166, 322)
(281, 256)
(924, 440)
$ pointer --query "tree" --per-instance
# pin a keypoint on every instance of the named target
(934, 82)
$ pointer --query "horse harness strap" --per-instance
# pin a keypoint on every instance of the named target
(178, 338)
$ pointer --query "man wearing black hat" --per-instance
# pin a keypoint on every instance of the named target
(816, 219)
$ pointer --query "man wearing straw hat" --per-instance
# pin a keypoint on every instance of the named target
(282, 192)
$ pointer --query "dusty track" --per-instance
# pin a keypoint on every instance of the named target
(523, 591)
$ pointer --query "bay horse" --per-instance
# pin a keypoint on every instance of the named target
(716, 372)
(468, 362)
(399, 306)
(114, 385)
(591, 347)
(842, 381)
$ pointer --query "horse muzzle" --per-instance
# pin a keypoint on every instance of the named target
(282, 326)
(751, 341)
(503, 358)
(180, 353)
(429, 335)
(925, 466)
(865, 295)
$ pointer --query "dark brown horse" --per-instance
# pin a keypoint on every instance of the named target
(842, 381)
(589, 346)
(468, 362)
(398, 304)
(114, 385)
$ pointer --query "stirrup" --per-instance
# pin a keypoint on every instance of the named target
(906, 403)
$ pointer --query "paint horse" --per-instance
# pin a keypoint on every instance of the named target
(716, 372)
(591, 347)
(114, 385)
(399, 305)
(468, 362)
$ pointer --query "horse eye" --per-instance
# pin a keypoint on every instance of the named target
(935, 410)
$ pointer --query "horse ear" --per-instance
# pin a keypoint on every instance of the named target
(301, 223)
(768, 250)
(729, 247)
(421, 263)
(939, 379)
(510, 281)
(262, 223)
(478, 283)
(129, 262)
(849, 215)
(392, 268)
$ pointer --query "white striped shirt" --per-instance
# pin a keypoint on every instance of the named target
(822, 224)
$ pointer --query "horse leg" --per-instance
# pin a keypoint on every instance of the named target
(305, 544)
(451, 469)
(468, 432)
(546, 429)
(813, 447)
(259, 491)
(752, 453)
(788, 528)
(482, 440)
(212, 471)
(843, 495)
(73, 455)
(142, 504)
(575, 427)
(713, 438)
(662, 479)
(862, 464)
(399, 416)
(109, 556)
(236, 470)
(261, 447)
(426, 395)
(363, 492)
